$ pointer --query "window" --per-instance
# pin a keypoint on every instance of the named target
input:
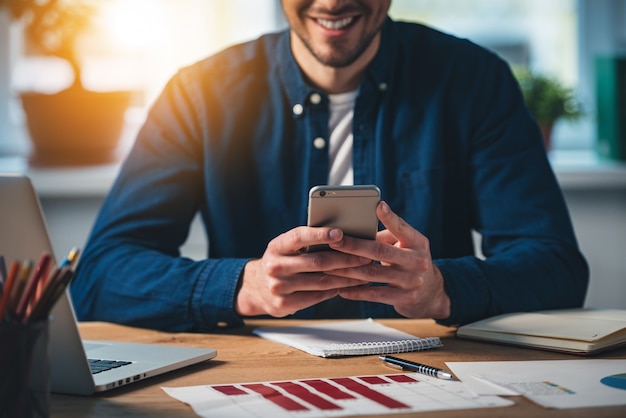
(141, 43)
(536, 34)
(136, 44)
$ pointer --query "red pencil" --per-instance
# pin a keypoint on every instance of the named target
(8, 287)
(41, 270)
(54, 289)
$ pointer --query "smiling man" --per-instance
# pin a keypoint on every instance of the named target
(334, 41)
(344, 96)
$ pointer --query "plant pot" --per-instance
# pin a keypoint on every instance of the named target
(75, 126)
(546, 132)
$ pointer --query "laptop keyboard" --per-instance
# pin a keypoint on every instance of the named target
(98, 366)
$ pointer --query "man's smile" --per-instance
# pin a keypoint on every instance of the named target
(335, 24)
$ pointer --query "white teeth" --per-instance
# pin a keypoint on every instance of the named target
(335, 24)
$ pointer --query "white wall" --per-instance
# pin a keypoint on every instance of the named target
(70, 219)
(600, 222)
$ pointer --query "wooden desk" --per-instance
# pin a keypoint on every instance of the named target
(243, 357)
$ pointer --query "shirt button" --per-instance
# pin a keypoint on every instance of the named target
(315, 98)
(382, 86)
(297, 109)
(319, 142)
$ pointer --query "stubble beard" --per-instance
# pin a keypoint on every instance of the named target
(339, 57)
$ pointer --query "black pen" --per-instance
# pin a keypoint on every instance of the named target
(401, 364)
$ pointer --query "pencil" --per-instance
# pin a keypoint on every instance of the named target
(52, 292)
(8, 287)
(19, 286)
(41, 270)
(3, 273)
(72, 258)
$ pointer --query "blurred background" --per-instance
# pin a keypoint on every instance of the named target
(137, 45)
(568, 54)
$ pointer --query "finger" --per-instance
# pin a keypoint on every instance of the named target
(374, 250)
(381, 294)
(294, 240)
(330, 260)
(386, 236)
(380, 273)
(291, 265)
(311, 282)
(402, 231)
(289, 305)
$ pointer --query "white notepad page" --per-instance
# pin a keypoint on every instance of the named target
(347, 338)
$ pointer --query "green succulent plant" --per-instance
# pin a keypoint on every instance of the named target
(547, 98)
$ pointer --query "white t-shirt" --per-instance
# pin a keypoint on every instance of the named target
(340, 148)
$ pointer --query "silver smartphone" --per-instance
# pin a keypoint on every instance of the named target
(350, 208)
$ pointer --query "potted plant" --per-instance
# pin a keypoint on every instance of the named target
(548, 100)
(75, 125)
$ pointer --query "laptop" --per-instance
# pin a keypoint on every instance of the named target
(23, 235)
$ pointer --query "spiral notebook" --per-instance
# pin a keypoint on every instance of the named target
(347, 338)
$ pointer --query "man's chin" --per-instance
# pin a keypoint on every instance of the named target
(336, 59)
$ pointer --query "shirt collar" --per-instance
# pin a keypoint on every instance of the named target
(381, 68)
(297, 89)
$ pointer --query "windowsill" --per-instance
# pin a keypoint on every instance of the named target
(79, 181)
(584, 170)
(575, 170)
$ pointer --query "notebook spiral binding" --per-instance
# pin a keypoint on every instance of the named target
(382, 347)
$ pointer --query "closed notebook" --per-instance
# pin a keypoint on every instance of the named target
(577, 331)
(347, 338)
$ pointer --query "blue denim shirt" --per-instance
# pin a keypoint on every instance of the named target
(439, 125)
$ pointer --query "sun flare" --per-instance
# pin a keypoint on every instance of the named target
(134, 24)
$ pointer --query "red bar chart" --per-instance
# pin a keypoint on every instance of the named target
(332, 397)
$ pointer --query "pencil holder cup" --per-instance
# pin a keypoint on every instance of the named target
(24, 370)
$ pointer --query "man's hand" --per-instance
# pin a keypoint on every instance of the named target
(286, 280)
(415, 284)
